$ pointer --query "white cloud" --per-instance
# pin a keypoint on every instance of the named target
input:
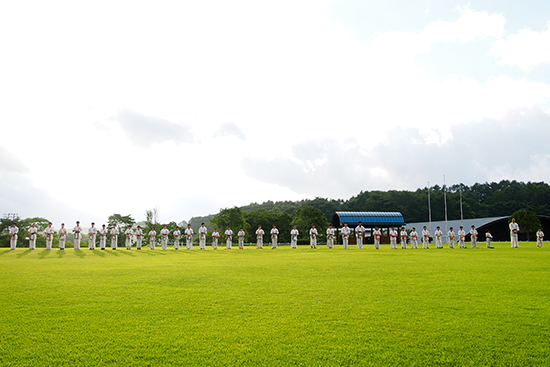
(11, 163)
(229, 128)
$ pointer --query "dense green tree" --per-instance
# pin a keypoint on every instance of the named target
(305, 217)
(122, 222)
(266, 219)
(233, 217)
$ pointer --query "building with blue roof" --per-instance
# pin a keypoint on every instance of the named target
(369, 220)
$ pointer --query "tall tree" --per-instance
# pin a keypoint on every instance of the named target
(308, 215)
(233, 217)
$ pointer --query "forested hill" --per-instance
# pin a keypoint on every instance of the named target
(479, 200)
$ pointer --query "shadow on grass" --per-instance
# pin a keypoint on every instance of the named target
(111, 251)
(80, 253)
(26, 252)
(99, 252)
(5, 251)
(61, 253)
(44, 253)
(127, 252)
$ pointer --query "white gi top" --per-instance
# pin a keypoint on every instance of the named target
(451, 234)
(345, 231)
(164, 232)
(403, 233)
(294, 232)
(62, 232)
(514, 227)
(32, 231)
(241, 234)
(488, 235)
(228, 233)
(14, 230)
(129, 232)
(216, 234)
(359, 230)
(473, 232)
(438, 233)
(377, 233)
(330, 232)
(393, 233)
(177, 233)
(77, 230)
(313, 232)
(203, 231)
(189, 232)
(414, 234)
(540, 234)
(138, 233)
(461, 233)
(114, 231)
(49, 231)
(152, 233)
(274, 232)
(425, 233)
(260, 232)
(92, 231)
(103, 231)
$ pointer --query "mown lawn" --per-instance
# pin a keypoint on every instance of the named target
(279, 307)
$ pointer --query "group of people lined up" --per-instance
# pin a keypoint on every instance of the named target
(138, 235)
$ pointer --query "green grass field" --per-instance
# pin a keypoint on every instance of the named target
(279, 307)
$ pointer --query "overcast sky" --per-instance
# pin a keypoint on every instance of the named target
(192, 106)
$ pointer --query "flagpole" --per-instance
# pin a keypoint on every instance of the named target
(461, 213)
(429, 208)
(445, 199)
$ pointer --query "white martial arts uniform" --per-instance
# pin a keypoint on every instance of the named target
(102, 238)
(49, 231)
(414, 240)
(377, 236)
(177, 235)
(403, 234)
(202, 237)
(164, 238)
(189, 238)
(274, 235)
(313, 237)
(540, 238)
(114, 237)
(514, 229)
(92, 232)
(129, 233)
(451, 237)
(215, 238)
(152, 239)
(13, 237)
(240, 235)
(260, 238)
(461, 238)
(345, 231)
(393, 238)
(438, 238)
(77, 231)
(425, 238)
(473, 235)
(294, 238)
(62, 237)
(330, 237)
(228, 239)
(139, 238)
(32, 237)
(359, 231)
(488, 239)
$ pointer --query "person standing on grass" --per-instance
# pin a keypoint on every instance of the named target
(451, 237)
(228, 238)
(152, 238)
(274, 235)
(393, 238)
(345, 231)
(62, 236)
(414, 239)
(438, 237)
(540, 238)
(202, 236)
(92, 231)
(32, 236)
(13, 236)
(215, 238)
(488, 238)
(189, 237)
(114, 237)
(425, 238)
(359, 233)
(177, 235)
(330, 236)
(164, 232)
(241, 235)
(49, 231)
(313, 236)
(473, 235)
(377, 236)
(77, 230)
(139, 237)
(514, 230)
(129, 233)
(461, 237)
(260, 237)
(102, 237)
(403, 238)
(294, 237)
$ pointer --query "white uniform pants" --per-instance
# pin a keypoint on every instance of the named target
(273, 241)
(474, 242)
(228, 243)
(202, 241)
(438, 242)
(13, 242)
(77, 241)
(259, 241)
(214, 242)
(49, 242)
(376, 242)
(403, 242)
(189, 242)
(294, 242)
(164, 243)
(152, 242)
(359, 242)
(241, 242)
(176, 243)
(313, 242)
(514, 239)
(425, 243)
(345, 241)
(489, 242)
(32, 241)
(102, 241)
(539, 242)
(451, 242)
(114, 241)
(62, 243)
(91, 241)
(393, 242)
(139, 240)
(461, 242)
(128, 242)
(414, 243)
(330, 242)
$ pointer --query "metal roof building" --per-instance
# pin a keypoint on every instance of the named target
(369, 219)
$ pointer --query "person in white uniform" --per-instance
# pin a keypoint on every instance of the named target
(92, 232)
(189, 237)
(77, 233)
(49, 231)
(228, 238)
(313, 236)
(425, 238)
(403, 238)
(164, 232)
(215, 238)
(114, 237)
(274, 236)
(414, 239)
(103, 237)
(177, 235)
(139, 237)
(129, 233)
(514, 230)
(260, 237)
(393, 238)
(359, 233)
(345, 231)
(241, 235)
(377, 237)
(461, 238)
(330, 236)
(152, 238)
(540, 237)
(451, 237)
(473, 235)
(62, 236)
(438, 237)
(32, 236)
(202, 236)
(13, 236)
(294, 237)
(488, 238)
